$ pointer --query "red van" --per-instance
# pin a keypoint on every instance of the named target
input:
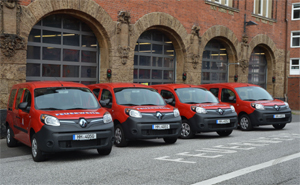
(253, 104)
(57, 116)
(199, 109)
(139, 112)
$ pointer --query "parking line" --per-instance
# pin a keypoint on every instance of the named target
(244, 171)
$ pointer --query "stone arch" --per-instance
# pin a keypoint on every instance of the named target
(267, 43)
(168, 25)
(231, 43)
(87, 10)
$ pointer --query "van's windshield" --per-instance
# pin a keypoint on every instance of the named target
(195, 95)
(253, 93)
(64, 98)
(138, 96)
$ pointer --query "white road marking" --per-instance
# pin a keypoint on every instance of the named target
(216, 150)
(248, 144)
(234, 147)
(164, 158)
(250, 169)
(199, 155)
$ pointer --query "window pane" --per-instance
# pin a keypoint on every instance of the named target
(146, 35)
(136, 57)
(145, 60)
(85, 27)
(70, 71)
(157, 49)
(169, 50)
(205, 65)
(145, 47)
(71, 55)
(34, 36)
(295, 62)
(135, 75)
(71, 39)
(169, 62)
(205, 76)
(33, 52)
(50, 53)
(144, 74)
(157, 61)
(52, 37)
(296, 14)
(52, 21)
(156, 74)
(51, 70)
(296, 33)
(89, 56)
(88, 71)
(32, 69)
(295, 67)
(136, 49)
(296, 42)
(206, 54)
(71, 23)
(157, 36)
(89, 41)
(296, 5)
(168, 75)
(222, 77)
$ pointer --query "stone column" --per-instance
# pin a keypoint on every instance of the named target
(244, 61)
(12, 54)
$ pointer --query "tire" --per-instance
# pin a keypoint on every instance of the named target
(279, 126)
(224, 133)
(186, 131)
(10, 140)
(245, 123)
(170, 140)
(36, 153)
(105, 151)
(120, 140)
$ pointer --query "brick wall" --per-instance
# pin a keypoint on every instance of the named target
(294, 92)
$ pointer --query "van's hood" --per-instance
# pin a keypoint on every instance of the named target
(153, 108)
(76, 114)
(269, 102)
(212, 105)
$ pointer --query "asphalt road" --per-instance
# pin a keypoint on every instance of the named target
(262, 156)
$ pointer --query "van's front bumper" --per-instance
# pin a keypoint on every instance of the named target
(62, 138)
(268, 117)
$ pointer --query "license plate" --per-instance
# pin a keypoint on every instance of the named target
(279, 116)
(84, 136)
(223, 121)
(160, 127)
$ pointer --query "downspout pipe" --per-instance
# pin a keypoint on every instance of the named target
(286, 49)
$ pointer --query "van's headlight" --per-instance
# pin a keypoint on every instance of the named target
(232, 108)
(107, 118)
(287, 105)
(257, 106)
(133, 113)
(50, 120)
(176, 112)
(199, 109)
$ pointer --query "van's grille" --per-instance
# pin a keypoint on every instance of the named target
(79, 144)
(276, 120)
(149, 132)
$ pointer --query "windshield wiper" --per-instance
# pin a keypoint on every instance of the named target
(76, 108)
(129, 104)
(263, 99)
(191, 102)
(208, 102)
(50, 108)
(149, 104)
(250, 100)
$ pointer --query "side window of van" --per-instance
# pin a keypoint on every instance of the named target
(27, 97)
(228, 96)
(215, 91)
(96, 92)
(12, 98)
(167, 95)
(106, 94)
(19, 95)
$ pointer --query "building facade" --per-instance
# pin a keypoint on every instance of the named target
(148, 42)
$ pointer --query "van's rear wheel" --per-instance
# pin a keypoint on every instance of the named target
(10, 140)
(36, 153)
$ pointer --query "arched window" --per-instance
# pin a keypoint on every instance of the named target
(154, 59)
(258, 67)
(61, 47)
(214, 63)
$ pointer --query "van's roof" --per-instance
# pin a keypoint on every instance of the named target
(43, 84)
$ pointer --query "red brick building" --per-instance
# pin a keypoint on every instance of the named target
(150, 41)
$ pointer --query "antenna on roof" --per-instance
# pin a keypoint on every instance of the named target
(59, 81)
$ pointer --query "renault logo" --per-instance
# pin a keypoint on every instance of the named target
(83, 123)
(159, 115)
(220, 111)
(276, 107)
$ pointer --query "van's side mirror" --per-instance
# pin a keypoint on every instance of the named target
(104, 103)
(232, 99)
(170, 101)
(23, 106)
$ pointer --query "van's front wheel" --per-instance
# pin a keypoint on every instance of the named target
(36, 153)
(120, 139)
